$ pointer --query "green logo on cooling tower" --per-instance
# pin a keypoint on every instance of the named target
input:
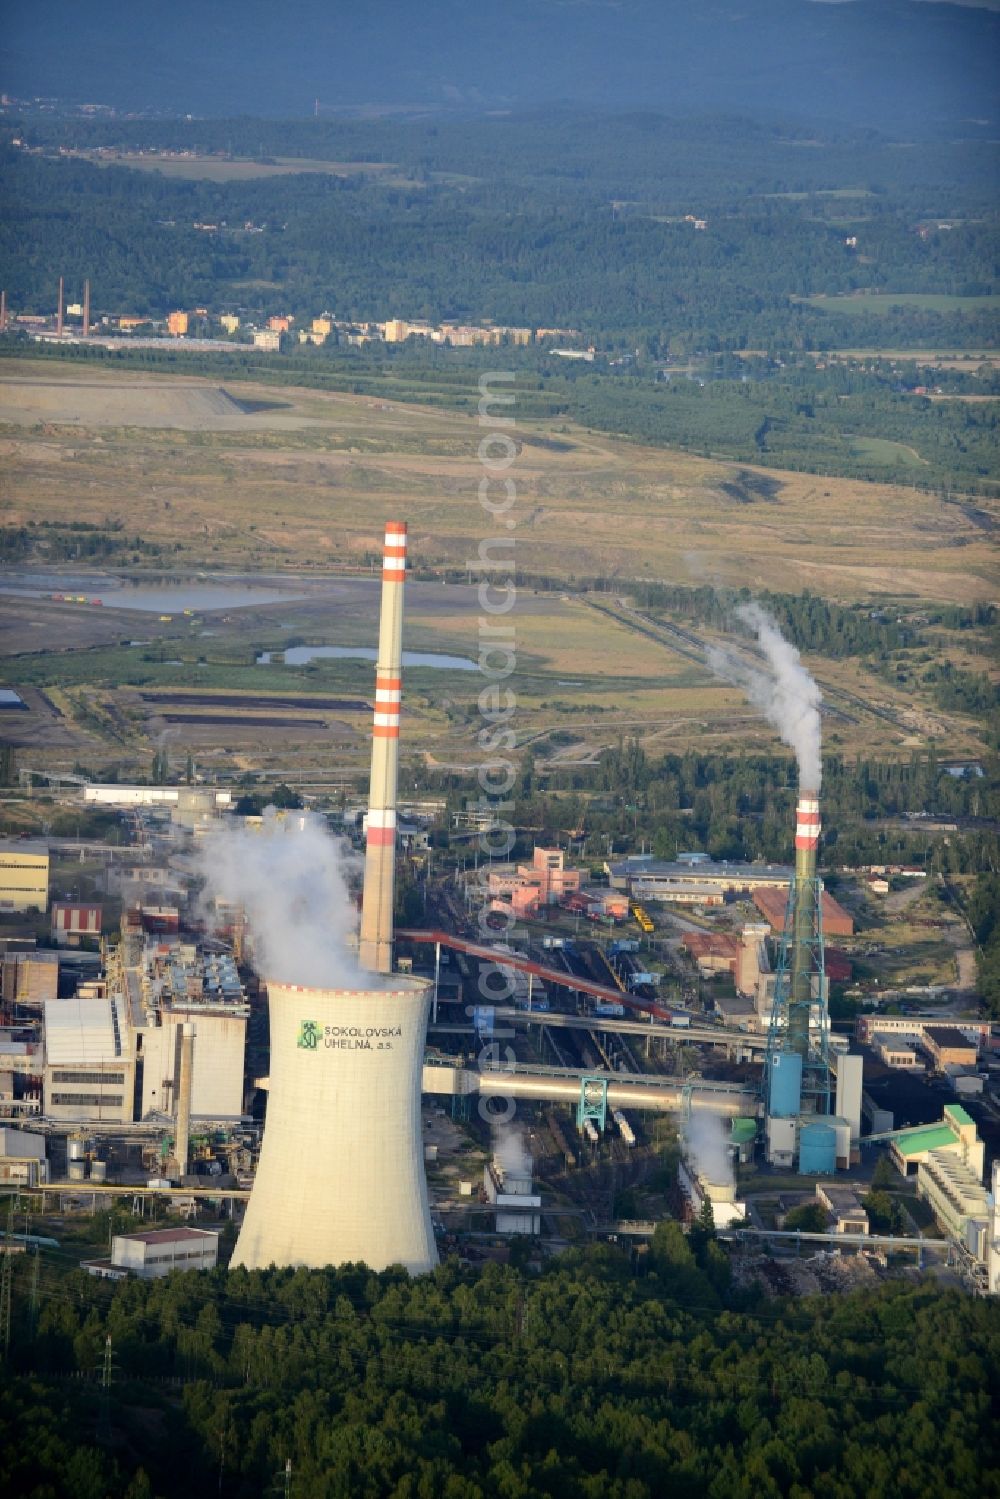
(309, 1034)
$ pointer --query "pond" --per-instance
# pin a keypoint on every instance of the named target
(151, 598)
(300, 655)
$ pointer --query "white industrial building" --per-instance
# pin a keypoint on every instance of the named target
(174, 983)
(114, 795)
(22, 1158)
(89, 1074)
(848, 1068)
(217, 1071)
(157, 1252)
(341, 1173)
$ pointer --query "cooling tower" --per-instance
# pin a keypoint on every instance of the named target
(341, 1173)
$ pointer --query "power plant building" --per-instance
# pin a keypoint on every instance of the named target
(89, 1074)
(177, 983)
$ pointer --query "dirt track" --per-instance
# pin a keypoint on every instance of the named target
(134, 403)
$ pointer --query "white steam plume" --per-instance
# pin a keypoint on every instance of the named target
(510, 1151)
(784, 691)
(706, 1148)
(290, 880)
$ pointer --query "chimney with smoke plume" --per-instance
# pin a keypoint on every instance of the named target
(789, 697)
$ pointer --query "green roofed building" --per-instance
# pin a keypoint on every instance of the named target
(743, 1137)
(956, 1134)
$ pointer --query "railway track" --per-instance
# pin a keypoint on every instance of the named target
(691, 647)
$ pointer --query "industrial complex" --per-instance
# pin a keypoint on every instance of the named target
(174, 1056)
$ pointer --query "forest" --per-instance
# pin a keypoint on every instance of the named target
(741, 807)
(710, 339)
(589, 1375)
(550, 219)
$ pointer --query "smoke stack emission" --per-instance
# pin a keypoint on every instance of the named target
(86, 308)
(784, 691)
(375, 948)
(60, 308)
(290, 879)
(707, 1148)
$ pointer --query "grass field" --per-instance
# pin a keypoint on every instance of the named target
(882, 302)
(884, 450)
(222, 169)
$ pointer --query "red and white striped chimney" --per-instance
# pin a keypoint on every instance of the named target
(375, 948)
(806, 834)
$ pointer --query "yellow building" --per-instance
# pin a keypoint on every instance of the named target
(322, 325)
(395, 330)
(268, 339)
(24, 875)
(177, 323)
(229, 322)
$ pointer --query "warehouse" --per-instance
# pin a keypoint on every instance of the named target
(771, 903)
(153, 1254)
(30, 977)
(687, 880)
(949, 1048)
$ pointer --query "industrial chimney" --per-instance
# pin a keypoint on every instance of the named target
(86, 308)
(797, 1070)
(183, 1131)
(375, 948)
(60, 309)
(805, 896)
(3, 312)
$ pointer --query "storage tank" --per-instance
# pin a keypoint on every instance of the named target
(785, 1093)
(76, 1148)
(341, 1173)
(817, 1149)
(78, 1170)
(98, 1171)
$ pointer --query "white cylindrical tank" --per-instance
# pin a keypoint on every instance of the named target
(341, 1173)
